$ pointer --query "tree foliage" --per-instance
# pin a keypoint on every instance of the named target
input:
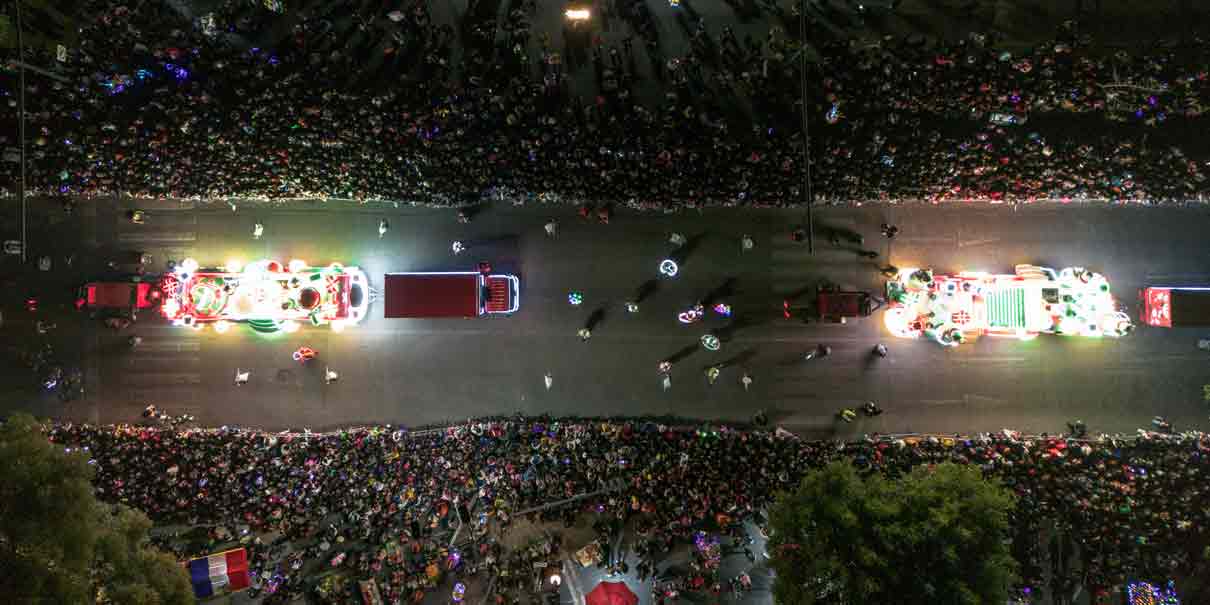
(935, 536)
(58, 544)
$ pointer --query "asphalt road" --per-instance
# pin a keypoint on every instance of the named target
(417, 372)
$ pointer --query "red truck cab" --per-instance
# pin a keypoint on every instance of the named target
(1175, 307)
(118, 298)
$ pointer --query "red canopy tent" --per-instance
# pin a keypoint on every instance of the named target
(612, 593)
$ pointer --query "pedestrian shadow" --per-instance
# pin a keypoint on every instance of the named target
(595, 318)
(739, 359)
(682, 353)
(646, 289)
(727, 332)
(682, 254)
(723, 291)
(473, 210)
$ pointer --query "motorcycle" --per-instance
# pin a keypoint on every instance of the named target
(819, 351)
(880, 350)
(136, 216)
(382, 228)
(257, 231)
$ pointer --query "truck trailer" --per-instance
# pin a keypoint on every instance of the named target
(449, 294)
(1176, 307)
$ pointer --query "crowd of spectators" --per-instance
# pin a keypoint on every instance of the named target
(375, 500)
(158, 106)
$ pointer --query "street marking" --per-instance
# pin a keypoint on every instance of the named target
(185, 346)
(143, 360)
(987, 359)
(978, 242)
(1188, 277)
(148, 379)
(157, 237)
(924, 240)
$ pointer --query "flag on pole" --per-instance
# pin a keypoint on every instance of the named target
(219, 573)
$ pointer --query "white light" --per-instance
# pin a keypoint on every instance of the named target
(577, 14)
(337, 325)
(297, 265)
(234, 265)
(669, 267)
(221, 326)
(290, 326)
(187, 266)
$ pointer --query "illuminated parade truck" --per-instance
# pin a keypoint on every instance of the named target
(1033, 300)
(449, 294)
(1176, 307)
(266, 295)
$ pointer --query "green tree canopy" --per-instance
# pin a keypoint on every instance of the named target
(58, 544)
(936, 536)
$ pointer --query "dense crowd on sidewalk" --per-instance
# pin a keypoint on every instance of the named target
(1134, 506)
(157, 106)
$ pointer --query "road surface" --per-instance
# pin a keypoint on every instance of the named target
(417, 372)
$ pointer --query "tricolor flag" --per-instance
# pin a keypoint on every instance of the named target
(219, 573)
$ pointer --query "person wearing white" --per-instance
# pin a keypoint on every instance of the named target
(552, 228)
(257, 231)
(330, 376)
(458, 248)
(549, 380)
(241, 376)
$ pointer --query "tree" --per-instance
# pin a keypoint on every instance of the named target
(935, 536)
(58, 544)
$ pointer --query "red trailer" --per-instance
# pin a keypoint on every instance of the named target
(451, 294)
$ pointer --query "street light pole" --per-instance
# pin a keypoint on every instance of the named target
(21, 128)
(806, 129)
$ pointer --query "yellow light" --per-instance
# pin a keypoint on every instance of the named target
(234, 265)
(577, 14)
(221, 326)
(297, 265)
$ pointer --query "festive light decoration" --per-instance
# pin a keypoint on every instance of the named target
(1034, 300)
(264, 295)
(575, 298)
(669, 268)
(1143, 593)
